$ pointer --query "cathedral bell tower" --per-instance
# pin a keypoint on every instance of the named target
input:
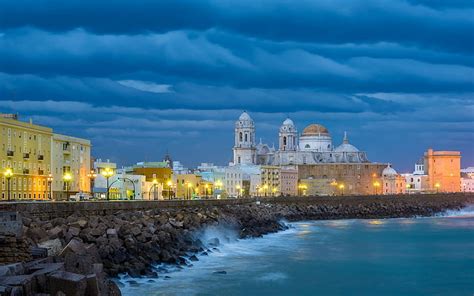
(288, 136)
(245, 151)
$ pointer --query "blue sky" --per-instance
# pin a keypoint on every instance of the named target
(142, 77)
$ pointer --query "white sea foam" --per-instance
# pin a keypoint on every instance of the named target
(273, 277)
(464, 212)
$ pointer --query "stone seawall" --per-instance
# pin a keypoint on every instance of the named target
(132, 237)
(62, 209)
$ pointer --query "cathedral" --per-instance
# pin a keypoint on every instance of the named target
(313, 146)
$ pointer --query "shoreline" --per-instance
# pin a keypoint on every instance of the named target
(134, 241)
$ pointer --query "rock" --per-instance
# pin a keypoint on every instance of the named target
(111, 232)
(92, 288)
(175, 223)
(53, 246)
(193, 258)
(56, 232)
(79, 223)
(74, 231)
(12, 269)
(37, 234)
(220, 272)
(213, 242)
(71, 284)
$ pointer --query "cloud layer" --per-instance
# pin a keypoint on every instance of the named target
(140, 79)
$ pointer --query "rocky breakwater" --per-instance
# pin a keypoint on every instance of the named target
(134, 242)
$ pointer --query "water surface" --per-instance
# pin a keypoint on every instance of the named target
(418, 256)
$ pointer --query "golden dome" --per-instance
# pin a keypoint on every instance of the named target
(314, 130)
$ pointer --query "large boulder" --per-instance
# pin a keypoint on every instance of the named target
(53, 246)
(71, 284)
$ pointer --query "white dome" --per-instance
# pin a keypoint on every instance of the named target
(389, 171)
(288, 121)
(346, 147)
(245, 116)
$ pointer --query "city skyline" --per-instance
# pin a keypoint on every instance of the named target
(149, 83)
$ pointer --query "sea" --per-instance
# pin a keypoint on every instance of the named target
(403, 256)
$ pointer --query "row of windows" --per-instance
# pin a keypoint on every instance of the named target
(14, 195)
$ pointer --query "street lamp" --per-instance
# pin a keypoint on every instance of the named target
(152, 189)
(334, 184)
(92, 175)
(341, 187)
(107, 173)
(48, 186)
(206, 187)
(265, 188)
(302, 188)
(67, 177)
(169, 183)
(376, 185)
(437, 186)
(274, 190)
(189, 190)
(8, 175)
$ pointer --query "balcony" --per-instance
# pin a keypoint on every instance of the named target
(26, 171)
(26, 155)
(40, 172)
(10, 153)
(40, 157)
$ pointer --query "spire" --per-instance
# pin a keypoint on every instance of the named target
(260, 141)
(345, 140)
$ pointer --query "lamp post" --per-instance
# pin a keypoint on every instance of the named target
(92, 175)
(107, 173)
(67, 177)
(49, 187)
(206, 187)
(376, 185)
(238, 190)
(189, 190)
(437, 186)
(334, 184)
(274, 190)
(169, 183)
(341, 187)
(8, 175)
(155, 183)
(265, 187)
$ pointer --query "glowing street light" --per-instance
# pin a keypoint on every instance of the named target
(67, 178)
(376, 186)
(265, 188)
(8, 175)
(92, 175)
(437, 186)
(274, 190)
(238, 190)
(190, 190)
(206, 188)
(107, 173)
(152, 189)
(341, 187)
(169, 183)
(48, 186)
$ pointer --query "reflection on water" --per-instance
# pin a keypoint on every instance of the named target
(356, 257)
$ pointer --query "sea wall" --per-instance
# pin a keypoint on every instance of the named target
(133, 237)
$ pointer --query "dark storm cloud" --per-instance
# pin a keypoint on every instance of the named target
(397, 75)
(342, 21)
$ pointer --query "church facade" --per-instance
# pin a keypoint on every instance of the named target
(313, 146)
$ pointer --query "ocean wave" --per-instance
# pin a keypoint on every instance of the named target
(464, 212)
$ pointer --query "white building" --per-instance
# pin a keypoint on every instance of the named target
(233, 180)
(392, 182)
(467, 184)
(418, 180)
(313, 146)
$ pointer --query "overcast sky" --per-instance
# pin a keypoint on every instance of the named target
(142, 77)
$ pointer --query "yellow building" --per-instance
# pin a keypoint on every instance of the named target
(70, 161)
(444, 170)
(188, 185)
(25, 159)
(270, 182)
(158, 172)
